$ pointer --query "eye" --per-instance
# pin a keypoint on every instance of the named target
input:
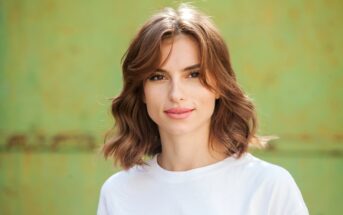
(156, 77)
(194, 74)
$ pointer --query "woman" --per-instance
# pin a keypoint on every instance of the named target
(181, 105)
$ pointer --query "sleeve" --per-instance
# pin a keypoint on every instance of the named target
(286, 197)
(102, 205)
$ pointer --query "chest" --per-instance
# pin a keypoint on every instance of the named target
(206, 196)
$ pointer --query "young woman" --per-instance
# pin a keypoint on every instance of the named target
(182, 107)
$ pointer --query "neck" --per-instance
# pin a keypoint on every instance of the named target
(185, 152)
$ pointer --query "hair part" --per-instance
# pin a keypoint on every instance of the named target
(135, 135)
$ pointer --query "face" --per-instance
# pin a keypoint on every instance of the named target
(175, 98)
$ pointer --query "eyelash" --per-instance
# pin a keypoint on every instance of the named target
(158, 77)
(194, 72)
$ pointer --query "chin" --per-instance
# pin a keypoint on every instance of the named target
(179, 130)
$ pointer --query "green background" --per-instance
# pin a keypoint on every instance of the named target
(60, 65)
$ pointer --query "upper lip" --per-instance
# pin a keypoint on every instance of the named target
(178, 110)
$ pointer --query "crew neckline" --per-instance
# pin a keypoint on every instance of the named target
(181, 176)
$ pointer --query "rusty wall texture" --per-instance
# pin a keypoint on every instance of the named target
(60, 64)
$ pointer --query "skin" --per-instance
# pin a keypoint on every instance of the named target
(185, 143)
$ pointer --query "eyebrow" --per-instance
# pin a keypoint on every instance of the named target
(195, 66)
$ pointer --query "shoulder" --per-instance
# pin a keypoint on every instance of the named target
(265, 170)
(125, 179)
(278, 185)
(266, 176)
(112, 191)
(114, 181)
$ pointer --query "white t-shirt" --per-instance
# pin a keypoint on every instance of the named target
(232, 187)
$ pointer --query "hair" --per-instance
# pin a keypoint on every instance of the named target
(134, 135)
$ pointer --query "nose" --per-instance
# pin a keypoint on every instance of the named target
(176, 92)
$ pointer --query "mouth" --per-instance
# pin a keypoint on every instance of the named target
(179, 113)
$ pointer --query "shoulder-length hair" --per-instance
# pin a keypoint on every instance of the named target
(233, 123)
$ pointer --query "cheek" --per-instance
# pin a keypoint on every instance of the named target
(207, 100)
(152, 99)
(205, 95)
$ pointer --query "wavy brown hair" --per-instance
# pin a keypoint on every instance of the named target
(135, 135)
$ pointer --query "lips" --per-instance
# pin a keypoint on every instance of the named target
(179, 113)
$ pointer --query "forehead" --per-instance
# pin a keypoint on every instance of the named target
(179, 51)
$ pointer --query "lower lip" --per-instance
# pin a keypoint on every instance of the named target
(179, 115)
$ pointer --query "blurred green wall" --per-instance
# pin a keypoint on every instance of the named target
(60, 62)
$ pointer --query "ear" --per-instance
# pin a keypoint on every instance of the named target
(217, 95)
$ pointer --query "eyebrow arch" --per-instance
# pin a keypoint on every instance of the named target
(195, 66)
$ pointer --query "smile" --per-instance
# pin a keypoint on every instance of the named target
(178, 113)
